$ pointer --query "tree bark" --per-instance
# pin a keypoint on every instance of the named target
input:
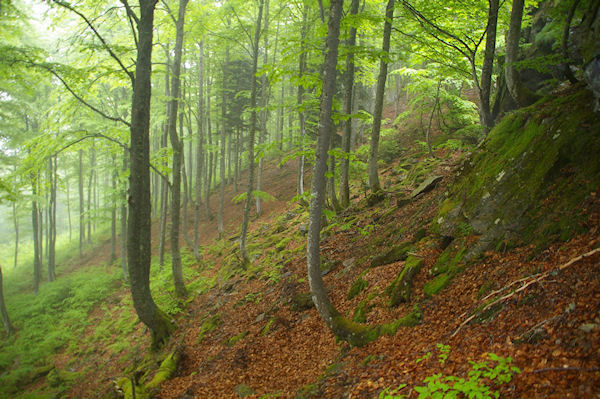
(264, 103)
(113, 214)
(485, 114)
(348, 92)
(199, 149)
(177, 154)
(300, 101)
(222, 159)
(81, 206)
(52, 220)
(164, 191)
(139, 227)
(123, 197)
(5, 319)
(37, 261)
(253, 117)
(317, 287)
(16, 224)
(522, 96)
(374, 184)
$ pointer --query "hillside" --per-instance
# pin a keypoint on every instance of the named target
(257, 334)
(525, 294)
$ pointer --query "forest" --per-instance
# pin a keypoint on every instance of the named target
(301, 199)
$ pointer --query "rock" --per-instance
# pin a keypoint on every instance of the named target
(303, 229)
(243, 390)
(349, 263)
(302, 302)
(259, 318)
(399, 290)
(426, 186)
(589, 327)
(397, 253)
(375, 198)
(400, 202)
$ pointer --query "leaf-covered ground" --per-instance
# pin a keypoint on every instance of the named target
(248, 337)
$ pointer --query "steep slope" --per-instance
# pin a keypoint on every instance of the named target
(256, 334)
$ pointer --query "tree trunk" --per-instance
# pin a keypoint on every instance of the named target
(522, 96)
(348, 91)
(210, 161)
(52, 221)
(123, 197)
(37, 256)
(485, 114)
(113, 215)
(16, 223)
(69, 208)
(300, 101)
(253, 117)
(139, 229)
(177, 155)
(374, 184)
(222, 159)
(335, 205)
(164, 191)
(81, 206)
(199, 149)
(264, 103)
(5, 320)
(317, 287)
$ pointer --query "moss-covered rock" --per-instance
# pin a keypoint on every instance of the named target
(231, 341)
(357, 287)
(449, 259)
(395, 254)
(434, 286)
(208, 325)
(399, 290)
(302, 302)
(529, 177)
(166, 370)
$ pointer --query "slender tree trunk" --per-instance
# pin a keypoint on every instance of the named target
(222, 159)
(199, 149)
(90, 192)
(485, 113)
(331, 172)
(265, 92)
(374, 184)
(253, 117)
(177, 145)
(69, 209)
(139, 229)
(522, 96)
(317, 287)
(236, 161)
(52, 221)
(300, 101)
(210, 160)
(37, 256)
(348, 92)
(164, 191)
(113, 215)
(16, 224)
(5, 320)
(81, 206)
(124, 221)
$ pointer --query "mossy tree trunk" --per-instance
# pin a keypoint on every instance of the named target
(139, 228)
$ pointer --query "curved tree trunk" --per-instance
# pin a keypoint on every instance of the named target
(139, 227)
(317, 198)
(348, 91)
(177, 155)
(374, 184)
(253, 117)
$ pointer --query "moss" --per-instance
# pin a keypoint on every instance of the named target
(434, 286)
(127, 386)
(399, 289)
(361, 311)
(243, 390)
(357, 287)
(266, 329)
(231, 341)
(395, 254)
(165, 371)
(308, 391)
(488, 313)
(207, 326)
(302, 302)
(360, 335)
(449, 260)
(282, 244)
(485, 288)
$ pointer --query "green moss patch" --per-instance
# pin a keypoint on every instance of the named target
(395, 254)
(357, 287)
(207, 326)
(399, 290)
(231, 341)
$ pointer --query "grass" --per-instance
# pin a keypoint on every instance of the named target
(57, 319)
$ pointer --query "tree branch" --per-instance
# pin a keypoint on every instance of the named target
(97, 34)
(79, 98)
(133, 20)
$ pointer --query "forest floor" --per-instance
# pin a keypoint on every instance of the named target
(245, 338)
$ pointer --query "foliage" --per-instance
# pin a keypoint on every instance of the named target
(477, 385)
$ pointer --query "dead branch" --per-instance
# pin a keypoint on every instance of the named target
(527, 281)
